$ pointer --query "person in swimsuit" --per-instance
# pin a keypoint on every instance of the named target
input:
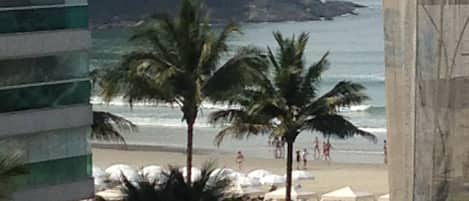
(304, 155)
(317, 151)
(240, 160)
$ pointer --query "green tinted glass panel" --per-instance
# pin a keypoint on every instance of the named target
(43, 19)
(43, 69)
(16, 3)
(44, 96)
(54, 172)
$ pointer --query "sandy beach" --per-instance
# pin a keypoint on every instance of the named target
(328, 176)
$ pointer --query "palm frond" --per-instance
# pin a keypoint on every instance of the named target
(337, 126)
(107, 126)
(241, 131)
(343, 94)
(246, 68)
(312, 77)
(175, 187)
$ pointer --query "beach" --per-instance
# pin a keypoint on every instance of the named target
(328, 176)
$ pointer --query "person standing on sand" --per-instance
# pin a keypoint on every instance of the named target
(240, 160)
(327, 154)
(298, 159)
(317, 151)
(324, 149)
(385, 152)
(304, 155)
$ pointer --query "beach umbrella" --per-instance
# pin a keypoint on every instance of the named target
(296, 194)
(223, 172)
(298, 175)
(347, 194)
(384, 198)
(99, 173)
(152, 173)
(117, 171)
(272, 179)
(249, 191)
(196, 172)
(258, 174)
(246, 181)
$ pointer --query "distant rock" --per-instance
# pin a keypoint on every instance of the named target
(114, 13)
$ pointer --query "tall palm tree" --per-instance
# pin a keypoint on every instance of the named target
(287, 102)
(10, 167)
(207, 187)
(182, 65)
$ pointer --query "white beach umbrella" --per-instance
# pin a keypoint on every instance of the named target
(258, 174)
(347, 194)
(246, 181)
(152, 173)
(272, 179)
(298, 175)
(223, 172)
(249, 191)
(99, 173)
(384, 198)
(117, 171)
(296, 194)
(196, 172)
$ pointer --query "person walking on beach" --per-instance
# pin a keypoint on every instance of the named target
(385, 152)
(324, 149)
(278, 148)
(317, 151)
(304, 155)
(298, 159)
(327, 152)
(240, 159)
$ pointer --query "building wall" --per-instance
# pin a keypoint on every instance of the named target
(427, 78)
(45, 91)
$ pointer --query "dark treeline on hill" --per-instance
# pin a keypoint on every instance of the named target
(119, 12)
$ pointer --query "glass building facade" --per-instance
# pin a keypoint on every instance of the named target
(44, 93)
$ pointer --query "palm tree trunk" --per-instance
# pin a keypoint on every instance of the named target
(190, 136)
(289, 169)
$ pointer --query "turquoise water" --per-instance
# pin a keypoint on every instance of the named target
(356, 44)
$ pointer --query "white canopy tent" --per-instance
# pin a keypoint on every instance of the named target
(347, 194)
(296, 194)
(384, 198)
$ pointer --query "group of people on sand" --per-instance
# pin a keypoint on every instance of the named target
(326, 150)
(279, 144)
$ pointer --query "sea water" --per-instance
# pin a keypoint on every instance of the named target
(356, 47)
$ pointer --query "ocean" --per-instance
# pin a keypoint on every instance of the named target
(356, 44)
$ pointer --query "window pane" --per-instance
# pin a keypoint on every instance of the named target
(43, 69)
(43, 19)
(15, 3)
(45, 96)
(55, 172)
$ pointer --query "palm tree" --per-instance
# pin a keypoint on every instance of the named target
(109, 127)
(10, 167)
(181, 66)
(287, 102)
(175, 188)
